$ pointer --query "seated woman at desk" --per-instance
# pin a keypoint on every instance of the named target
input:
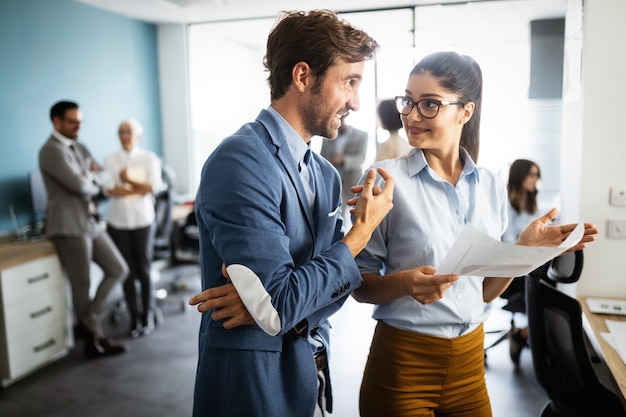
(524, 178)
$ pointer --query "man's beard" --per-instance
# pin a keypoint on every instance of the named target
(316, 116)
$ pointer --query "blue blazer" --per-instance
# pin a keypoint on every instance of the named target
(252, 212)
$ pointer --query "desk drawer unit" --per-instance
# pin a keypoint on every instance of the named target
(28, 353)
(43, 310)
(24, 281)
(33, 317)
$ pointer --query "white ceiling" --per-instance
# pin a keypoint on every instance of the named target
(191, 11)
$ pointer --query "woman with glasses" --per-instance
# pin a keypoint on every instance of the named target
(426, 357)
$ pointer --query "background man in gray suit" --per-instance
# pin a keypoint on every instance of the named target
(347, 154)
(74, 227)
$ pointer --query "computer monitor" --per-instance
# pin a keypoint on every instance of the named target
(38, 197)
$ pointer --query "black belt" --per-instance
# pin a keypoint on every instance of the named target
(301, 329)
(321, 360)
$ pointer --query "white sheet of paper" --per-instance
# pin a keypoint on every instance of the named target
(608, 337)
(137, 174)
(617, 331)
(476, 254)
(614, 342)
(616, 326)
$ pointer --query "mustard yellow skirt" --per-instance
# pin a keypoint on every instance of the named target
(410, 374)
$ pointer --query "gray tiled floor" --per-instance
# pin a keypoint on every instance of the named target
(155, 378)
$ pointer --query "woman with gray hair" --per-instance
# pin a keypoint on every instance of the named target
(135, 177)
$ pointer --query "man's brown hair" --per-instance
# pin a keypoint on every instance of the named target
(319, 38)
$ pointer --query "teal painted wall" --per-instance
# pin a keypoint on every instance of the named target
(62, 49)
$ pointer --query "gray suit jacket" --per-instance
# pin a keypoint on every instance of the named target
(69, 190)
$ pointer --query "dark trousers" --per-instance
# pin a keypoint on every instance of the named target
(136, 246)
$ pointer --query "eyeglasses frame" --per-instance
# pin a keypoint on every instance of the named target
(72, 122)
(415, 104)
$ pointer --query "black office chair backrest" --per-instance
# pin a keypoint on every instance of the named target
(563, 357)
(163, 206)
(566, 268)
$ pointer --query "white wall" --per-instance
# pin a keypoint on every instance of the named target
(173, 84)
(600, 118)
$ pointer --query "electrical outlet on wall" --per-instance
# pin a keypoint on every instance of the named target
(616, 228)
(617, 196)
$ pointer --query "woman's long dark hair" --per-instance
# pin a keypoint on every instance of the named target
(520, 199)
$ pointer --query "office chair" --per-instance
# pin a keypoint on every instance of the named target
(516, 303)
(163, 205)
(186, 240)
(184, 248)
(573, 375)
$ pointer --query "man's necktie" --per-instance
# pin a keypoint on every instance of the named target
(92, 207)
(79, 157)
(308, 176)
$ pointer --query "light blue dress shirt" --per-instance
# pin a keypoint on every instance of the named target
(517, 223)
(427, 216)
(298, 149)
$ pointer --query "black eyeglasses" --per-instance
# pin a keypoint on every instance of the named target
(426, 107)
(72, 122)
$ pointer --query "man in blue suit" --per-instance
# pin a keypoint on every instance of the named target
(275, 262)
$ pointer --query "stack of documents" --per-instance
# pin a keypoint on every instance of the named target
(616, 337)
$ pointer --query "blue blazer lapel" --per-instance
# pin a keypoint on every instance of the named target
(326, 208)
(321, 194)
(282, 153)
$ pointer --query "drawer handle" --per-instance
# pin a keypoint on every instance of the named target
(44, 345)
(38, 278)
(41, 312)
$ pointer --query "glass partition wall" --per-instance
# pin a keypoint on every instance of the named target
(228, 84)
